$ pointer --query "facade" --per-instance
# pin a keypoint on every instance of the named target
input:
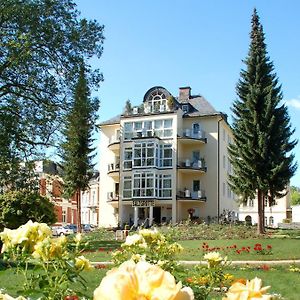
(274, 214)
(165, 161)
(90, 202)
(51, 185)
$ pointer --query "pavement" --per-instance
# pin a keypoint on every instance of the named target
(234, 262)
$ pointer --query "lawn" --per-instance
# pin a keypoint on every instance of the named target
(279, 278)
(282, 249)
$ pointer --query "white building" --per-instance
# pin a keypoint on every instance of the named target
(165, 160)
(274, 214)
(90, 202)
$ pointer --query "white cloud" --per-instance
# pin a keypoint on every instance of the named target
(293, 103)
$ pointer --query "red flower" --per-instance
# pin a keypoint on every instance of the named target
(269, 247)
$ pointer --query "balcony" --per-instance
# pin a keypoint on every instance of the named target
(113, 170)
(149, 109)
(113, 198)
(114, 144)
(189, 136)
(194, 196)
(191, 166)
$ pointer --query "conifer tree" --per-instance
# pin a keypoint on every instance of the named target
(77, 149)
(261, 158)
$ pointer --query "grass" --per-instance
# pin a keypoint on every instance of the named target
(281, 281)
(282, 249)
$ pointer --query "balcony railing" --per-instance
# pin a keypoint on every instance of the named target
(192, 164)
(113, 167)
(114, 139)
(112, 196)
(149, 109)
(191, 195)
(192, 134)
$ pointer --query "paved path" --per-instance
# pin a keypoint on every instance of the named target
(234, 262)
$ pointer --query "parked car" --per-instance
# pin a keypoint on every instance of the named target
(88, 227)
(72, 226)
(61, 230)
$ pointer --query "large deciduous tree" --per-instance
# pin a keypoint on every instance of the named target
(77, 149)
(18, 207)
(261, 158)
(42, 43)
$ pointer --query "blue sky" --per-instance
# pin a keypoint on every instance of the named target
(196, 43)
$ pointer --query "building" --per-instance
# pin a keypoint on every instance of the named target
(51, 185)
(90, 201)
(165, 161)
(274, 215)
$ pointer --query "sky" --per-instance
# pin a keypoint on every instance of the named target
(196, 43)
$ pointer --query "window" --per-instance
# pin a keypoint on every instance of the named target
(144, 154)
(166, 186)
(271, 221)
(156, 100)
(266, 221)
(196, 129)
(127, 187)
(143, 185)
(196, 185)
(168, 131)
(127, 164)
(185, 108)
(251, 203)
(228, 191)
(64, 216)
(166, 155)
(224, 188)
(224, 161)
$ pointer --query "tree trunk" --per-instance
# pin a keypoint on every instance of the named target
(261, 212)
(78, 202)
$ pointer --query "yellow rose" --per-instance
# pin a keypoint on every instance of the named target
(140, 281)
(82, 263)
(251, 290)
(133, 240)
(7, 297)
(213, 258)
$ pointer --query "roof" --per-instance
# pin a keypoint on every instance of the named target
(201, 107)
(114, 120)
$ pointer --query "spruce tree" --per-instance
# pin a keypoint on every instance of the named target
(77, 149)
(261, 158)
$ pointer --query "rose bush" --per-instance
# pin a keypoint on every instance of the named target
(133, 281)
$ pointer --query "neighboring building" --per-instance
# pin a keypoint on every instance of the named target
(51, 186)
(274, 214)
(90, 201)
(165, 160)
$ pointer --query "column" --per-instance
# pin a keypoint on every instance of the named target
(135, 221)
(150, 216)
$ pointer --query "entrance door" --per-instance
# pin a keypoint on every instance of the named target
(157, 215)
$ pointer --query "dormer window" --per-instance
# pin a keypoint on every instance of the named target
(185, 108)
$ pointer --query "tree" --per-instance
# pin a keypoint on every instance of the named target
(42, 43)
(260, 156)
(77, 150)
(295, 195)
(18, 207)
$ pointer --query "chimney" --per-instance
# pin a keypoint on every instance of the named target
(184, 93)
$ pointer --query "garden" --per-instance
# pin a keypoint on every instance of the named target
(186, 261)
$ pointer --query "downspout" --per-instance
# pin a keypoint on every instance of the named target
(218, 172)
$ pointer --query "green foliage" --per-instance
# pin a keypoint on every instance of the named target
(49, 266)
(42, 44)
(171, 102)
(128, 107)
(77, 150)
(151, 246)
(295, 195)
(260, 155)
(17, 207)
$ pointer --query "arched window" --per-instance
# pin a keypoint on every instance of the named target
(271, 221)
(157, 101)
